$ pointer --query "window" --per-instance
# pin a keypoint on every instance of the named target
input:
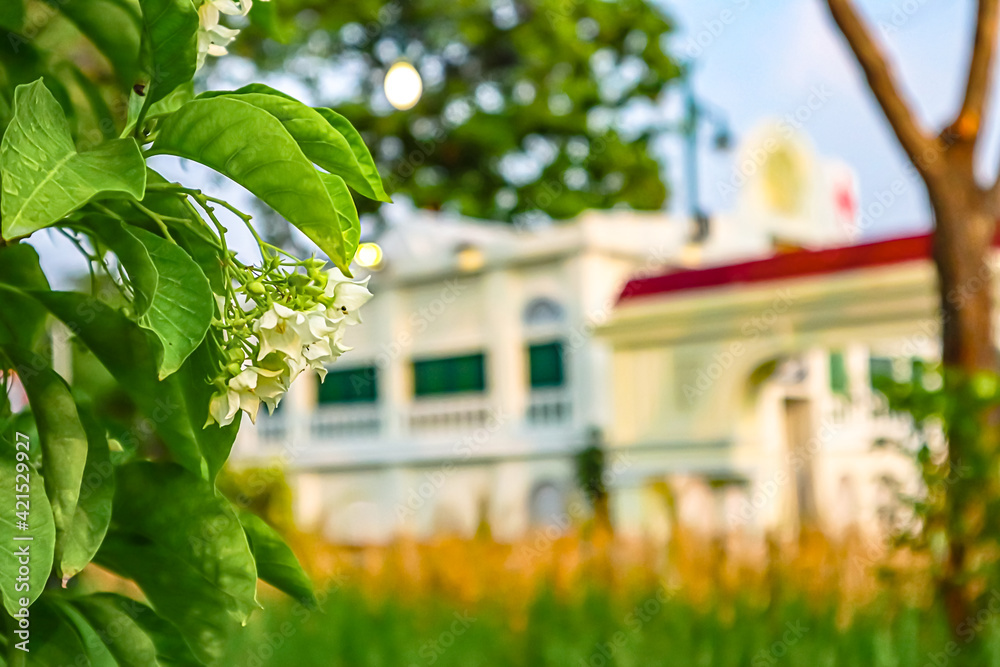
(881, 371)
(357, 385)
(542, 311)
(838, 373)
(545, 364)
(451, 375)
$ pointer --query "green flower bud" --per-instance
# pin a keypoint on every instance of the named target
(256, 288)
(298, 280)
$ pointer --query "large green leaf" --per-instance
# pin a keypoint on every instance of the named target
(114, 27)
(93, 510)
(186, 549)
(44, 178)
(22, 320)
(357, 144)
(94, 649)
(54, 640)
(171, 293)
(170, 34)
(253, 148)
(165, 106)
(276, 564)
(41, 530)
(326, 137)
(350, 224)
(124, 636)
(129, 353)
(12, 15)
(61, 435)
(182, 306)
(170, 645)
(132, 255)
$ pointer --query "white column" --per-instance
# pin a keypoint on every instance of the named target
(506, 365)
(392, 361)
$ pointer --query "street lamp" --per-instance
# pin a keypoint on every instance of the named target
(403, 86)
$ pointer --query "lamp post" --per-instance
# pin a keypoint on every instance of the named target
(695, 114)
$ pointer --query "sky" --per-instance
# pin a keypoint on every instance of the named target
(760, 59)
(757, 60)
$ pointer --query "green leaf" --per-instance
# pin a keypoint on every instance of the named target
(94, 649)
(104, 120)
(361, 153)
(22, 320)
(54, 640)
(180, 306)
(169, 104)
(12, 15)
(350, 224)
(41, 530)
(253, 148)
(132, 255)
(320, 134)
(129, 353)
(184, 546)
(276, 563)
(170, 37)
(114, 27)
(62, 436)
(122, 633)
(170, 645)
(44, 178)
(93, 511)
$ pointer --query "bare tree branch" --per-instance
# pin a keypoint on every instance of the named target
(977, 88)
(914, 139)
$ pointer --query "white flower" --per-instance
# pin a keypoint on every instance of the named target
(244, 385)
(272, 385)
(319, 355)
(231, 7)
(348, 296)
(247, 391)
(213, 38)
(223, 407)
(284, 330)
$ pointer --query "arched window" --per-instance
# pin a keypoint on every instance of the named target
(547, 505)
(543, 311)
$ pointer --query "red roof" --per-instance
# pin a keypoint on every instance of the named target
(782, 267)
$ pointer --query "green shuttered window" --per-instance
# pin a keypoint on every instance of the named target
(356, 385)
(451, 375)
(545, 363)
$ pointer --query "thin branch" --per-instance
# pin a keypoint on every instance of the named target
(914, 139)
(977, 87)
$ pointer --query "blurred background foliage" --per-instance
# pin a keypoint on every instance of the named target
(531, 109)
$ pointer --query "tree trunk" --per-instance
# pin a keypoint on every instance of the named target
(962, 248)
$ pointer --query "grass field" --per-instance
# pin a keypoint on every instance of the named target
(569, 602)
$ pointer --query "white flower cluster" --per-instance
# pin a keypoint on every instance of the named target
(213, 37)
(291, 341)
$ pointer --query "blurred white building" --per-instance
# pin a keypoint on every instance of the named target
(477, 373)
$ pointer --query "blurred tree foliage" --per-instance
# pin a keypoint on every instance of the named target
(522, 108)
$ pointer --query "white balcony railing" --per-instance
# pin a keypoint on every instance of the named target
(426, 417)
(454, 413)
(345, 422)
(549, 407)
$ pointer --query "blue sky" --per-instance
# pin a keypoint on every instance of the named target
(772, 53)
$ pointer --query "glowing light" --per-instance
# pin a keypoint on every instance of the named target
(369, 255)
(470, 258)
(403, 86)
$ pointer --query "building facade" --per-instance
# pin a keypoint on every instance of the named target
(474, 379)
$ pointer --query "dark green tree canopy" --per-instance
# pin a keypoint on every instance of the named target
(522, 103)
